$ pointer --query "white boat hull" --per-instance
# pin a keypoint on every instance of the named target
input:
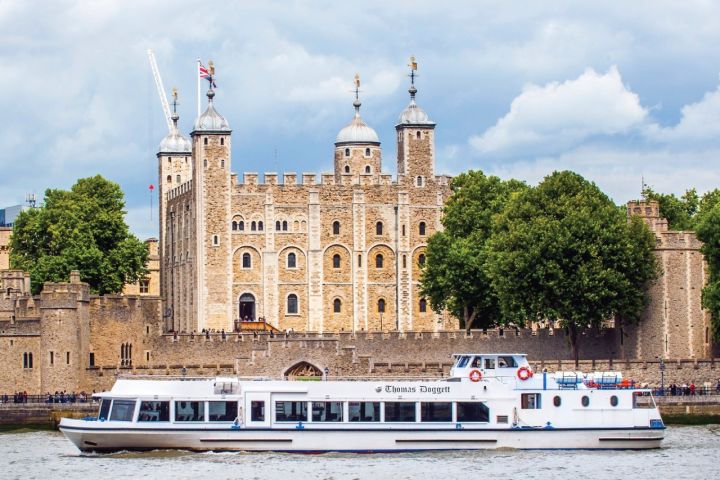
(89, 436)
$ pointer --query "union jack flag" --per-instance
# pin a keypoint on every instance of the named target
(206, 75)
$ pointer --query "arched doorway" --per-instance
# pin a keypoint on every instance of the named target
(304, 370)
(247, 306)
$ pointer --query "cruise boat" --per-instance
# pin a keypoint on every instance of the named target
(488, 401)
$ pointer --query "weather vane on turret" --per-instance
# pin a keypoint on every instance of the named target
(413, 68)
(357, 103)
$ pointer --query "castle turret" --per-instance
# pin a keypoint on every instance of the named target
(415, 140)
(357, 146)
(212, 199)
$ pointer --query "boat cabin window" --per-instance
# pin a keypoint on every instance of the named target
(222, 411)
(399, 411)
(257, 411)
(104, 409)
(472, 412)
(122, 410)
(585, 401)
(327, 411)
(154, 412)
(291, 412)
(364, 411)
(436, 412)
(186, 411)
(642, 401)
(463, 361)
(530, 401)
(507, 362)
(477, 362)
(489, 363)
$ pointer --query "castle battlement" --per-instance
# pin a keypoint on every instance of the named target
(180, 190)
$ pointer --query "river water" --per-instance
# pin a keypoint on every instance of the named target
(687, 453)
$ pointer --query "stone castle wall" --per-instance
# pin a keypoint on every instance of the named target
(5, 233)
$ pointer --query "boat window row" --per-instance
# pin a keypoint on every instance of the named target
(533, 401)
(159, 411)
(485, 362)
(301, 411)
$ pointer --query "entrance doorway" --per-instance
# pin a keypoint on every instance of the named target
(247, 307)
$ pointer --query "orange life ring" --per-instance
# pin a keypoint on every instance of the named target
(475, 375)
(524, 373)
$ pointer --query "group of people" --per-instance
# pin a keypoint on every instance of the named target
(690, 389)
(65, 397)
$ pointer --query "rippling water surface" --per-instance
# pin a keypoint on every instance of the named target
(687, 453)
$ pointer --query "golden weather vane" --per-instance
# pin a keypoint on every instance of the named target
(211, 67)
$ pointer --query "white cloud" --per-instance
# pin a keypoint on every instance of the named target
(700, 122)
(556, 116)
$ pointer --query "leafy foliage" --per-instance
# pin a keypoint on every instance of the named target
(82, 229)
(562, 251)
(454, 276)
(708, 231)
(678, 211)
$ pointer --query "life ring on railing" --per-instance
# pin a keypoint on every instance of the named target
(524, 373)
(475, 375)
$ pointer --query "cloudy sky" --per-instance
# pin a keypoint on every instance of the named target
(614, 90)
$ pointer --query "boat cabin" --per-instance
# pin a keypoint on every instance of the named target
(489, 364)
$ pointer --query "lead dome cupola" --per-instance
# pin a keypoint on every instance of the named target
(175, 142)
(210, 120)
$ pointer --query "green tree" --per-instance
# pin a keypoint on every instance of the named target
(82, 229)
(708, 232)
(679, 212)
(454, 275)
(562, 251)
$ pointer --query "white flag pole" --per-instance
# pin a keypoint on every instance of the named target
(197, 75)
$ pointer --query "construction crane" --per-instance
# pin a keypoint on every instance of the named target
(161, 90)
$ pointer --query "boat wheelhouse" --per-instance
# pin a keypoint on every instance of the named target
(487, 401)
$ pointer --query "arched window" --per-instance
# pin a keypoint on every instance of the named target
(205, 140)
(336, 228)
(205, 161)
(347, 168)
(292, 303)
(222, 163)
(177, 178)
(367, 168)
(291, 260)
(347, 152)
(169, 178)
(423, 305)
(277, 226)
(234, 225)
(419, 181)
(381, 305)
(421, 259)
(260, 225)
(421, 228)
(378, 228)
(379, 261)
(253, 226)
(336, 261)
(241, 225)
(367, 152)
(418, 135)
(246, 260)
(337, 305)
(284, 225)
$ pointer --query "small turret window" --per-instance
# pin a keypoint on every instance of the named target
(378, 228)
(336, 261)
(260, 226)
(421, 228)
(222, 163)
(421, 259)
(169, 178)
(423, 305)
(291, 260)
(284, 225)
(205, 141)
(418, 135)
(246, 261)
(177, 178)
(420, 181)
(336, 228)
(379, 260)
(241, 225)
(367, 168)
(347, 152)
(216, 240)
(381, 305)
(367, 152)
(253, 226)
(205, 163)
(222, 141)
(234, 225)
(337, 305)
(347, 168)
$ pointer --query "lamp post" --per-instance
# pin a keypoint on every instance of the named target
(662, 377)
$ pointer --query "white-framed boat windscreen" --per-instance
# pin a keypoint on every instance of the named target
(436, 411)
(327, 411)
(399, 411)
(154, 411)
(364, 411)
(122, 410)
(222, 411)
(187, 411)
(291, 411)
(257, 411)
(104, 412)
(473, 412)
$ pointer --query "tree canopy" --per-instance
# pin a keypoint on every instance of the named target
(454, 276)
(81, 229)
(562, 251)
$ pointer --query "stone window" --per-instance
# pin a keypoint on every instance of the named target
(246, 260)
(381, 305)
(144, 285)
(292, 303)
(337, 306)
(177, 178)
(234, 225)
(336, 228)
(421, 228)
(205, 163)
(359, 260)
(52, 358)
(347, 168)
(216, 240)
(205, 141)
(277, 225)
(260, 225)
(27, 360)
(67, 358)
(222, 141)
(378, 228)
(284, 225)
(404, 261)
(367, 169)
(420, 181)
(418, 135)
(169, 178)
(222, 163)
(126, 354)
(169, 159)
(379, 261)
(336, 261)
(253, 226)
(241, 225)
(347, 152)
(423, 305)
(421, 259)
(91, 360)
(403, 230)
(291, 260)
(367, 152)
